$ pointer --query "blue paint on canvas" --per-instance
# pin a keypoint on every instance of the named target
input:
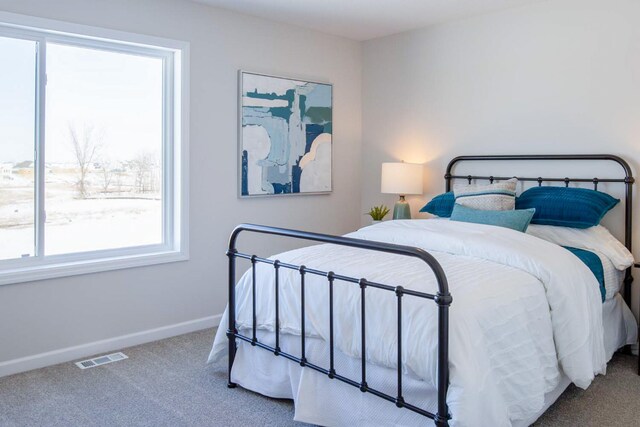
(312, 131)
(245, 191)
(296, 172)
(303, 106)
(281, 188)
(320, 96)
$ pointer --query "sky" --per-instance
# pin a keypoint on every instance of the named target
(17, 93)
(118, 95)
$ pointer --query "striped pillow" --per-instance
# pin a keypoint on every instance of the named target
(500, 196)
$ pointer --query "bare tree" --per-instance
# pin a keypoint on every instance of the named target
(85, 145)
(119, 175)
(106, 173)
(144, 167)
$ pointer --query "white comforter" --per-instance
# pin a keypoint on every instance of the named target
(523, 309)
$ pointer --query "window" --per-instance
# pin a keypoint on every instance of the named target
(92, 151)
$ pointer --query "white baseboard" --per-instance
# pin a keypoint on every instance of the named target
(62, 355)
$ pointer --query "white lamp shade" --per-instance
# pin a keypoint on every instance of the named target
(401, 178)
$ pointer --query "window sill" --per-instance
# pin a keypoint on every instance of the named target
(58, 269)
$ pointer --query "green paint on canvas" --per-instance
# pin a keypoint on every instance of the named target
(319, 115)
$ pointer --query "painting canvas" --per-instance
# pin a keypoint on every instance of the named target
(285, 135)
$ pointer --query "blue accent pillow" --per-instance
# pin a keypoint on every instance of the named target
(566, 206)
(441, 205)
(516, 219)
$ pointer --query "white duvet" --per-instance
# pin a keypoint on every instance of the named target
(522, 309)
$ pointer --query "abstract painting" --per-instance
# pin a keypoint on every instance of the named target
(285, 135)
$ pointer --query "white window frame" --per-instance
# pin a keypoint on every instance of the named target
(175, 56)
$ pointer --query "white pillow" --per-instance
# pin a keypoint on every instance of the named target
(596, 238)
(500, 196)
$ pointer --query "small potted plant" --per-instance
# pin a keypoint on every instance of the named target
(377, 213)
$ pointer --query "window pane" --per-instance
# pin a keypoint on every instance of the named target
(17, 142)
(103, 150)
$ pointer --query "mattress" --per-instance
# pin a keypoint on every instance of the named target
(613, 278)
(321, 401)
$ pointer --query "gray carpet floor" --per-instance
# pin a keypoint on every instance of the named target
(166, 383)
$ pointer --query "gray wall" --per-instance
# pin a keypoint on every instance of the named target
(552, 77)
(49, 315)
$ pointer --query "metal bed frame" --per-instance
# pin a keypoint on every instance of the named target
(442, 298)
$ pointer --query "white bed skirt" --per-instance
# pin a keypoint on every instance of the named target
(322, 401)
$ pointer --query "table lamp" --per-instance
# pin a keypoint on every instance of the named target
(402, 179)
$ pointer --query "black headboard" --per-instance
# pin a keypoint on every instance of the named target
(627, 180)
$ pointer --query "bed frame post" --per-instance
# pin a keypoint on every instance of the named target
(444, 301)
(231, 331)
(628, 218)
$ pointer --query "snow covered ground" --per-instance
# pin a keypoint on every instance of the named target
(102, 221)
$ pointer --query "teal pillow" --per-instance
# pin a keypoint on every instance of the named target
(518, 219)
(441, 205)
(566, 206)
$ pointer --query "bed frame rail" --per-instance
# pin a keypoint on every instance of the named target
(442, 299)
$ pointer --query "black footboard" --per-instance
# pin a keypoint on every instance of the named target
(442, 299)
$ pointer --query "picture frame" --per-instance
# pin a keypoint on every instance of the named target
(285, 136)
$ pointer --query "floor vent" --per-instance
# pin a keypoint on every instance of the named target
(101, 360)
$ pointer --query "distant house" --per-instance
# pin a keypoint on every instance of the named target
(6, 169)
(23, 168)
(27, 164)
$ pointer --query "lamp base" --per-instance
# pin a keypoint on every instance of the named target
(401, 210)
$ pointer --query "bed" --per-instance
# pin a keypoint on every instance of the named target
(465, 324)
